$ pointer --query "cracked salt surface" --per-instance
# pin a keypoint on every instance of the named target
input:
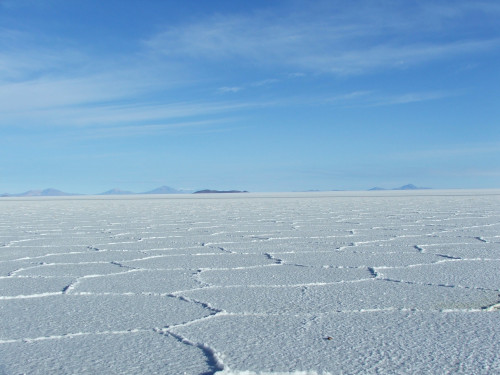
(316, 283)
(143, 352)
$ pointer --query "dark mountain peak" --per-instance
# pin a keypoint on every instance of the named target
(404, 187)
(209, 191)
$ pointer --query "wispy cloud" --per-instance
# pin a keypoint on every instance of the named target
(133, 113)
(349, 97)
(126, 131)
(125, 114)
(63, 87)
(54, 83)
(411, 97)
(28, 55)
(226, 89)
(357, 40)
(251, 85)
(377, 98)
(265, 82)
(390, 56)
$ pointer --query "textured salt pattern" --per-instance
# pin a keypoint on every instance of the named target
(357, 283)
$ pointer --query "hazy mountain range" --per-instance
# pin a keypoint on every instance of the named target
(40, 193)
(209, 191)
(160, 190)
(115, 191)
(404, 187)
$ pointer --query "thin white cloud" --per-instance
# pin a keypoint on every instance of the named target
(265, 82)
(458, 9)
(349, 97)
(387, 56)
(81, 114)
(133, 113)
(46, 94)
(147, 129)
(60, 86)
(411, 97)
(226, 89)
(355, 40)
(39, 72)
(25, 56)
(49, 93)
(372, 98)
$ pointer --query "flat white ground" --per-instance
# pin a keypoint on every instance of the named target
(316, 283)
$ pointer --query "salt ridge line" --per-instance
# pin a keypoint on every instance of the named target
(222, 313)
(373, 271)
(213, 358)
(382, 267)
(375, 275)
(381, 277)
(73, 285)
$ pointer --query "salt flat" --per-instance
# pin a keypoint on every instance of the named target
(392, 282)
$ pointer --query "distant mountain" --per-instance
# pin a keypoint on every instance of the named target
(410, 187)
(167, 190)
(117, 191)
(404, 187)
(208, 191)
(43, 193)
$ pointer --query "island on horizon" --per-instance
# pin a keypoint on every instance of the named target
(209, 191)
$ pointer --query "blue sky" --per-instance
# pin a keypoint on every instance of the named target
(261, 95)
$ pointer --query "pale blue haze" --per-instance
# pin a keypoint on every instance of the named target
(260, 96)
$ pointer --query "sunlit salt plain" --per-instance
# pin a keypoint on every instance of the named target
(305, 283)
